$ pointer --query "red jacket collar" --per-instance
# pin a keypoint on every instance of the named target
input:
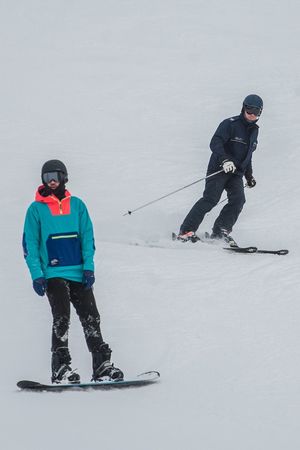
(49, 198)
(56, 206)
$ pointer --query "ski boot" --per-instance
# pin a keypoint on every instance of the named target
(224, 235)
(62, 373)
(103, 369)
(186, 236)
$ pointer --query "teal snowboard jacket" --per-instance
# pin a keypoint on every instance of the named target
(58, 238)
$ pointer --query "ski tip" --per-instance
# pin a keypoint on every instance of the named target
(282, 252)
(273, 252)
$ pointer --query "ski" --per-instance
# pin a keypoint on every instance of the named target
(232, 245)
(258, 250)
(238, 249)
(142, 379)
(204, 237)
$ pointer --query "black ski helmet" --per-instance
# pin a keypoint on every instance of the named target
(54, 165)
(253, 101)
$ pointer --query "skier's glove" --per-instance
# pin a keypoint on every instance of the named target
(228, 166)
(88, 279)
(39, 285)
(251, 182)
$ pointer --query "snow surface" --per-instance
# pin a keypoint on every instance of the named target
(128, 93)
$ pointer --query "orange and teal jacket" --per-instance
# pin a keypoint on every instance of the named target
(58, 238)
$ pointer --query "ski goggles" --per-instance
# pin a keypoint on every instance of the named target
(253, 110)
(49, 176)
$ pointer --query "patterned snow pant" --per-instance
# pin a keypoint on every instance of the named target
(61, 294)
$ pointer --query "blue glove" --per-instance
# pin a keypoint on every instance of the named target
(88, 279)
(39, 285)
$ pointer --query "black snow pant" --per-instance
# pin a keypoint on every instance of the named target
(61, 293)
(233, 185)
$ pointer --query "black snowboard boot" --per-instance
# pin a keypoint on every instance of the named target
(62, 372)
(103, 369)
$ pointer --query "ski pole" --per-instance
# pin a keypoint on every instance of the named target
(171, 193)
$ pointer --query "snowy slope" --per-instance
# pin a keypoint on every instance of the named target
(128, 93)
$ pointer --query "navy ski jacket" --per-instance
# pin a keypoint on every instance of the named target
(235, 139)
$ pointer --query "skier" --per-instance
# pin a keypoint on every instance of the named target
(232, 147)
(58, 244)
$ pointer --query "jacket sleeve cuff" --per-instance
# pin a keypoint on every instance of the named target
(89, 266)
(36, 274)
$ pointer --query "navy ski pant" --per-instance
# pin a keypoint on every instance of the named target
(61, 293)
(233, 185)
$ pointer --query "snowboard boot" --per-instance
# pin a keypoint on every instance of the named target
(103, 369)
(62, 373)
(187, 236)
(224, 235)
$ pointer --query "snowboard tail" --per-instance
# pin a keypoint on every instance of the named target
(142, 379)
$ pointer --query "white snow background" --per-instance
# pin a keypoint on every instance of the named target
(128, 94)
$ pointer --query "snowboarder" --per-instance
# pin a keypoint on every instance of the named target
(232, 147)
(58, 244)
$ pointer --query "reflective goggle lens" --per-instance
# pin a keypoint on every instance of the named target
(252, 110)
(49, 176)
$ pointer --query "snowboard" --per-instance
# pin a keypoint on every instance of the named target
(142, 379)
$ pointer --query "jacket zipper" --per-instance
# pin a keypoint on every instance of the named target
(60, 204)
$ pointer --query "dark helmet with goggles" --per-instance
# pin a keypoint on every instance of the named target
(54, 170)
(253, 104)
